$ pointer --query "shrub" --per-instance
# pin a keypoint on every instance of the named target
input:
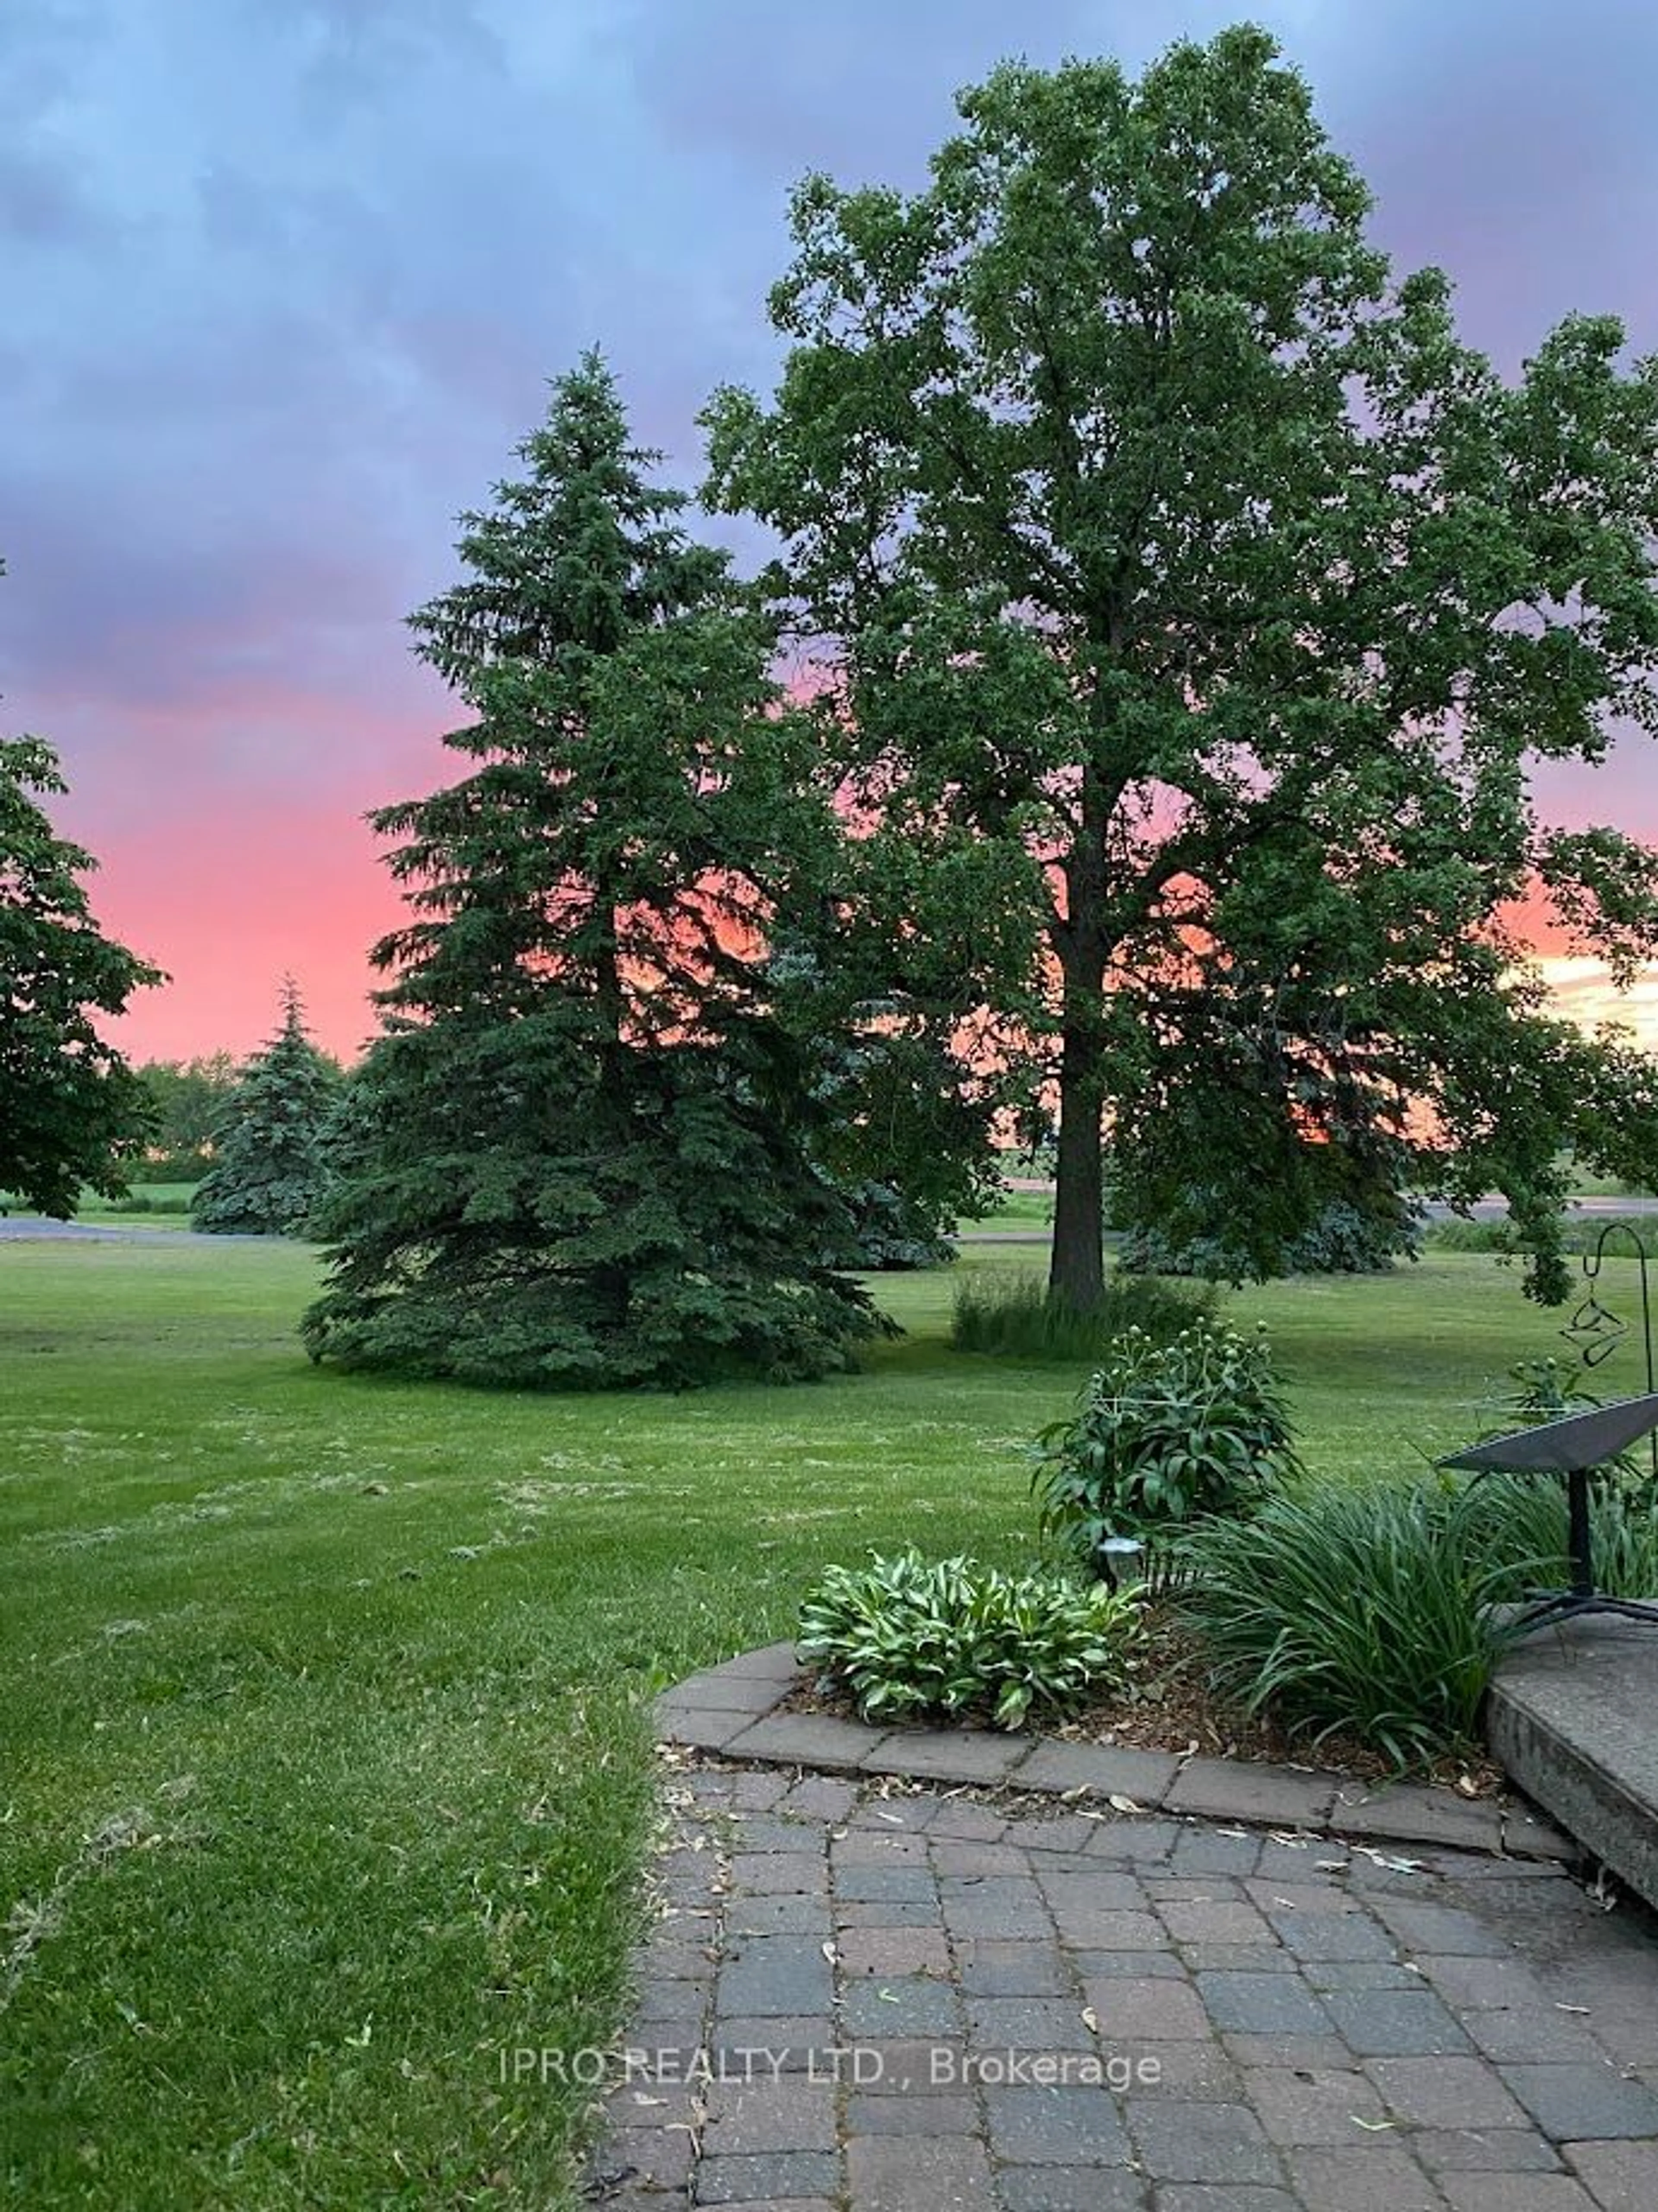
(1359, 1610)
(1014, 1315)
(149, 1202)
(1579, 1233)
(1459, 1235)
(888, 1232)
(1342, 1241)
(1167, 1434)
(911, 1637)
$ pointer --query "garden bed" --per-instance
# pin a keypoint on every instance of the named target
(1171, 1708)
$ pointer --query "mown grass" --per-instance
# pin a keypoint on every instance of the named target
(1014, 1209)
(325, 1774)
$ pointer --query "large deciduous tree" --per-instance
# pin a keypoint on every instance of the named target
(1148, 531)
(188, 1098)
(578, 1153)
(72, 1112)
(269, 1166)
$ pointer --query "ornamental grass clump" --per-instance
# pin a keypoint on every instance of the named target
(1017, 1316)
(916, 1639)
(1365, 1611)
(1167, 1435)
(1517, 1528)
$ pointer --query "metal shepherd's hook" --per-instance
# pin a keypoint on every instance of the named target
(1597, 1332)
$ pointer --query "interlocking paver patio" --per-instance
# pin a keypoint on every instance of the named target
(887, 1996)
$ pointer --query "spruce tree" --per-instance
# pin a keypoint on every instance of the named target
(578, 1153)
(269, 1171)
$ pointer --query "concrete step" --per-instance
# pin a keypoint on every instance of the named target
(1573, 1718)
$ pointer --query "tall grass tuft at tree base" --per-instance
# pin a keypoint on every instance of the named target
(1016, 1317)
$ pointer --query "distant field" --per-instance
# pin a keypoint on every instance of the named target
(1016, 1209)
(143, 1200)
(326, 1762)
(170, 1200)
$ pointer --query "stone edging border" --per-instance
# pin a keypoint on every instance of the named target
(731, 1709)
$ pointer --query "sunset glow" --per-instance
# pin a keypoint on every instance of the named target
(286, 286)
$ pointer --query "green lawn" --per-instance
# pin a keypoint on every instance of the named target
(323, 1769)
(1015, 1209)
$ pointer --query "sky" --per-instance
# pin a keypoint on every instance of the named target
(286, 280)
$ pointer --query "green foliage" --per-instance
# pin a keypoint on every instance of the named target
(72, 1112)
(1342, 1241)
(268, 1171)
(1541, 1391)
(1457, 1235)
(1517, 1528)
(890, 1231)
(170, 1199)
(913, 1638)
(358, 1602)
(1205, 604)
(189, 1100)
(1357, 1609)
(1577, 1233)
(581, 1153)
(1166, 1435)
(1017, 1316)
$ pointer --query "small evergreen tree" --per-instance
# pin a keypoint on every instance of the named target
(578, 1153)
(268, 1173)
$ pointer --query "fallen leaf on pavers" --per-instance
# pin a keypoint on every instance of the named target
(1120, 1804)
(1288, 1902)
(830, 1952)
(1566, 2007)
(1385, 1859)
(1090, 2019)
(886, 1997)
(1372, 2127)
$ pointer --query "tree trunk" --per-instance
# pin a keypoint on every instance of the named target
(1076, 1272)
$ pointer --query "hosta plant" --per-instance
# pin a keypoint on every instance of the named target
(916, 1639)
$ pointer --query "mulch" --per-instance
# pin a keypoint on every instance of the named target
(1170, 1707)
